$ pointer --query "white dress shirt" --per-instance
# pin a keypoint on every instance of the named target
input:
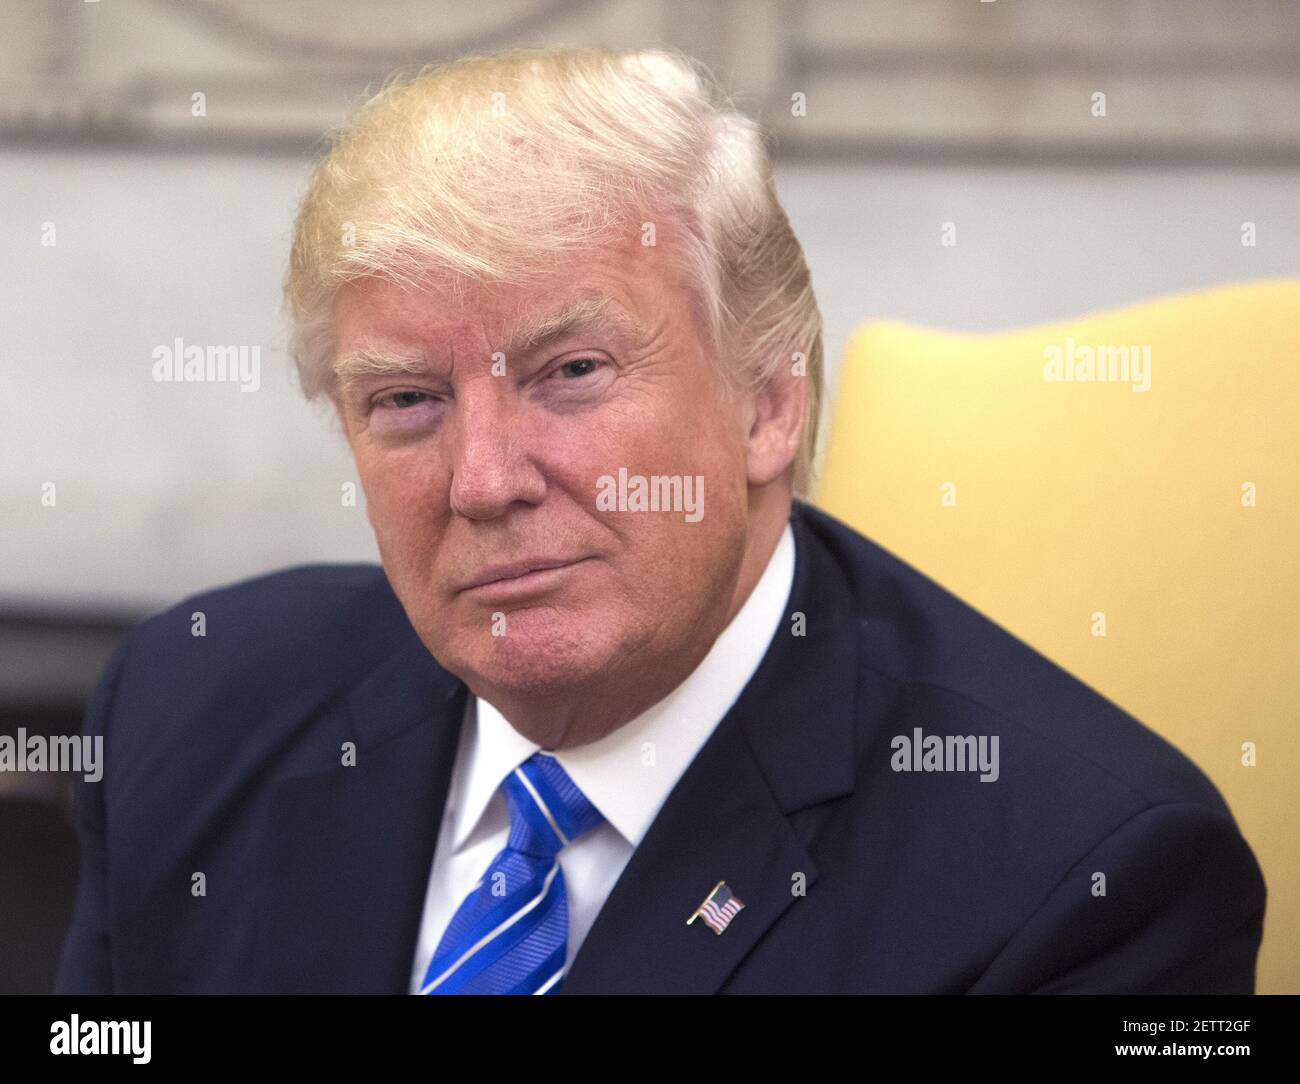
(627, 774)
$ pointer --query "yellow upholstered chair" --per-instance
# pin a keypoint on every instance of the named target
(1137, 523)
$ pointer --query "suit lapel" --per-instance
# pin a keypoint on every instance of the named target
(347, 863)
(705, 833)
(786, 744)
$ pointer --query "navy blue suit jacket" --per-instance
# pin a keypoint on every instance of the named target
(223, 758)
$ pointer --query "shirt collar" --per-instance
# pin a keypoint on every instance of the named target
(629, 774)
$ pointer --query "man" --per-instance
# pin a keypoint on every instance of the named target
(621, 712)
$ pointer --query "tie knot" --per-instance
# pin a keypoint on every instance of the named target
(547, 810)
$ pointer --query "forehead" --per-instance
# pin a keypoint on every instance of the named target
(630, 289)
(531, 320)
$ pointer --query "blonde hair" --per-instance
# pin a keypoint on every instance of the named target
(494, 168)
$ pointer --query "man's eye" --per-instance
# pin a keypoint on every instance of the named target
(402, 399)
(578, 367)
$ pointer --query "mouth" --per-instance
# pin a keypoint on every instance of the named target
(531, 576)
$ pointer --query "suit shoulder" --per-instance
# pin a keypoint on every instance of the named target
(286, 595)
(319, 623)
(968, 670)
(360, 576)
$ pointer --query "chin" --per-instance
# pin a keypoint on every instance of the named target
(545, 651)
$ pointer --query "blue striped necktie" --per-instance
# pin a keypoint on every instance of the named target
(510, 934)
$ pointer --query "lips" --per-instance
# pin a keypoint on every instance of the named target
(514, 570)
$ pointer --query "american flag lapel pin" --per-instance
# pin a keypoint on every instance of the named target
(718, 909)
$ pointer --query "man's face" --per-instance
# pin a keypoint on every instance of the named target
(485, 462)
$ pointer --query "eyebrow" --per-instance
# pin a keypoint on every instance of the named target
(532, 333)
(586, 311)
(373, 361)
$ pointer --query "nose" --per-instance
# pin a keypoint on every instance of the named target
(492, 467)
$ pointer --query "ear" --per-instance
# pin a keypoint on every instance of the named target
(777, 425)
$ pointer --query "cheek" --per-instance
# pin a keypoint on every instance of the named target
(707, 428)
(400, 498)
(672, 427)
